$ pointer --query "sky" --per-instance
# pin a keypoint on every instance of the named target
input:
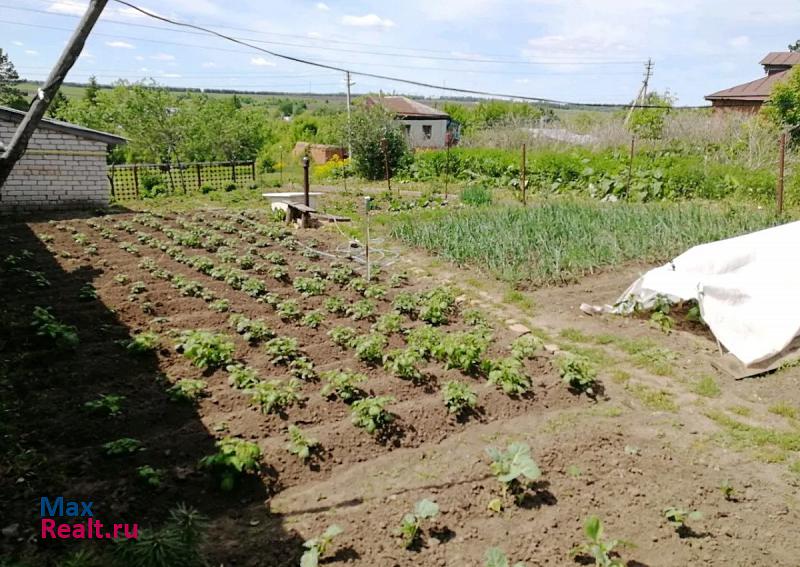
(566, 50)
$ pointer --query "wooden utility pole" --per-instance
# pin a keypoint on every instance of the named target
(630, 164)
(642, 95)
(19, 143)
(781, 171)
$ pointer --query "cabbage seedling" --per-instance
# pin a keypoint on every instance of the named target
(597, 547)
(317, 547)
(411, 523)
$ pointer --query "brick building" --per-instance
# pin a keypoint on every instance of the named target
(750, 97)
(64, 166)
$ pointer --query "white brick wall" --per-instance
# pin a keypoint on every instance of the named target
(54, 174)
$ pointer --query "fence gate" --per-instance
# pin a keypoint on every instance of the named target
(132, 181)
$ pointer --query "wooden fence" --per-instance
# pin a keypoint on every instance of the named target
(129, 181)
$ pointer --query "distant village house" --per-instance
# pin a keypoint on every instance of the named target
(749, 97)
(425, 126)
(64, 166)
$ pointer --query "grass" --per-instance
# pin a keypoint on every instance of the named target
(656, 400)
(770, 445)
(563, 239)
(741, 410)
(784, 410)
(706, 386)
(519, 299)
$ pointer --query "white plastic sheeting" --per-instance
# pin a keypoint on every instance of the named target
(748, 289)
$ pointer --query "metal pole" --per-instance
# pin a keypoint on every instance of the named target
(522, 177)
(630, 164)
(385, 149)
(781, 171)
(19, 142)
(306, 182)
(366, 244)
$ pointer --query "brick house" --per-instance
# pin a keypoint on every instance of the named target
(749, 97)
(64, 166)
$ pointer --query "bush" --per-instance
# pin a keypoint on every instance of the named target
(230, 187)
(476, 195)
(151, 184)
(207, 188)
(369, 126)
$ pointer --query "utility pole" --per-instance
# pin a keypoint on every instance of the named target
(642, 95)
(19, 143)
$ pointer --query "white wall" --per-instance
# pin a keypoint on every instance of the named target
(59, 170)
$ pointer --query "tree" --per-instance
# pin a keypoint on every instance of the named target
(10, 95)
(648, 123)
(795, 46)
(90, 94)
(369, 127)
(783, 106)
(58, 106)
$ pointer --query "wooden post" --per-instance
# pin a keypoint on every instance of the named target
(306, 183)
(385, 149)
(781, 171)
(344, 170)
(253, 170)
(136, 180)
(233, 171)
(171, 180)
(366, 240)
(522, 183)
(199, 176)
(19, 142)
(281, 166)
(111, 180)
(447, 143)
(630, 164)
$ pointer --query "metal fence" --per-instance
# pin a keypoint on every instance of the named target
(131, 181)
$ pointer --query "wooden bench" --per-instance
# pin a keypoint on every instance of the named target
(299, 211)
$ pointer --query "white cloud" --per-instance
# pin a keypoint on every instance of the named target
(73, 7)
(261, 62)
(323, 6)
(739, 41)
(368, 21)
(314, 35)
(209, 64)
(31, 52)
(162, 57)
(18, 43)
(139, 58)
(171, 75)
(120, 45)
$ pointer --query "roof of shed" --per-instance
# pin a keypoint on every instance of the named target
(66, 127)
(760, 89)
(781, 58)
(402, 106)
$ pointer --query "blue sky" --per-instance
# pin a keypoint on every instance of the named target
(577, 50)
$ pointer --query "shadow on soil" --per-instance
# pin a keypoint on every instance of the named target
(51, 445)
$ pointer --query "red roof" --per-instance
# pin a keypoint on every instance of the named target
(402, 107)
(788, 58)
(758, 90)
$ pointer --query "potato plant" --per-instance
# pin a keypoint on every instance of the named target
(282, 350)
(370, 414)
(63, 336)
(122, 446)
(343, 336)
(150, 476)
(406, 302)
(301, 444)
(577, 372)
(369, 348)
(343, 384)
(289, 310)
(302, 368)
(106, 404)
(389, 323)
(336, 305)
(341, 274)
(459, 397)
(252, 330)
(309, 287)
(317, 547)
(187, 390)
(364, 309)
(275, 396)
(142, 343)
(313, 319)
(205, 349)
(509, 375)
(437, 306)
(412, 522)
(242, 377)
(525, 347)
(463, 351)
(403, 363)
(425, 340)
(234, 457)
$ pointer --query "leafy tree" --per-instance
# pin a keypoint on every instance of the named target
(648, 123)
(795, 46)
(218, 129)
(90, 94)
(369, 127)
(784, 103)
(58, 105)
(10, 95)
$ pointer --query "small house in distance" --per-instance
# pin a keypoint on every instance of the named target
(64, 166)
(749, 97)
(425, 126)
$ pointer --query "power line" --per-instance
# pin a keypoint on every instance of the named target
(358, 73)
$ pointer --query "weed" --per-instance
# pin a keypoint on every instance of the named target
(597, 547)
(301, 444)
(785, 410)
(706, 386)
(205, 349)
(317, 548)
(519, 299)
(398, 280)
(234, 457)
(459, 397)
(508, 374)
(187, 390)
(727, 490)
(276, 395)
(106, 404)
(410, 525)
(656, 400)
(343, 384)
(371, 414)
(122, 446)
